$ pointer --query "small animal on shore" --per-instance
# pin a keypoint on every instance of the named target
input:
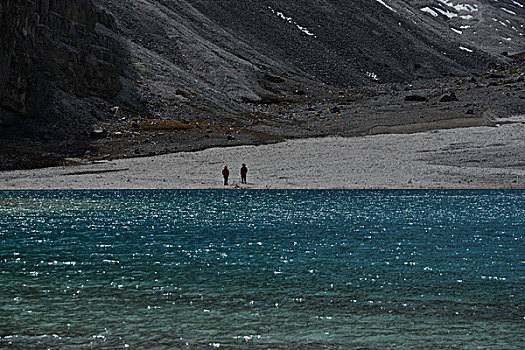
(225, 174)
(244, 171)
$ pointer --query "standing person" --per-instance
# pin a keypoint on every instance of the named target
(225, 174)
(244, 171)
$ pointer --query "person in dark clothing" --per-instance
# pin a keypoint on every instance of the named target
(225, 174)
(244, 171)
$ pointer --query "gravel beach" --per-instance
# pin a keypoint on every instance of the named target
(477, 157)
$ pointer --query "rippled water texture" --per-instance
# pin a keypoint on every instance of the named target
(267, 269)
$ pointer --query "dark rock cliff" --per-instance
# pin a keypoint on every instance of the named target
(50, 47)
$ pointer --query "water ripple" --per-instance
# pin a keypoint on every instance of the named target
(259, 269)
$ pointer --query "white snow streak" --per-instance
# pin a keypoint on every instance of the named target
(429, 11)
(385, 5)
(304, 30)
(460, 7)
(508, 11)
(372, 75)
(451, 10)
(291, 21)
(446, 13)
(465, 49)
(456, 30)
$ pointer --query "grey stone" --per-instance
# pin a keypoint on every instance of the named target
(415, 98)
(450, 97)
(99, 133)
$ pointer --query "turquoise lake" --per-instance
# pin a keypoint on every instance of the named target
(273, 269)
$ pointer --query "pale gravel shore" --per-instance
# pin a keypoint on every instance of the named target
(479, 157)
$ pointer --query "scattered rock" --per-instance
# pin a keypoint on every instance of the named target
(99, 132)
(450, 97)
(274, 79)
(415, 98)
(182, 93)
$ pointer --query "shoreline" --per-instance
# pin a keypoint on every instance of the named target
(463, 158)
(486, 99)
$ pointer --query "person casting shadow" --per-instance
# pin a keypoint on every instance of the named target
(244, 171)
(225, 174)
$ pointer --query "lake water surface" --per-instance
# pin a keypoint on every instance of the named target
(262, 269)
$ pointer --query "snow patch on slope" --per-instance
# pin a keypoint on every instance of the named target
(508, 11)
(291, 21)
(385, 5)
(429, 11)
(460, 7)
(372, 75)
(451, 10)
(494, 23)
(446, 13)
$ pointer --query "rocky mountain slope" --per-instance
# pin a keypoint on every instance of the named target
(125, 78)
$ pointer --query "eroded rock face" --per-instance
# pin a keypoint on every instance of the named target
(46, 45)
